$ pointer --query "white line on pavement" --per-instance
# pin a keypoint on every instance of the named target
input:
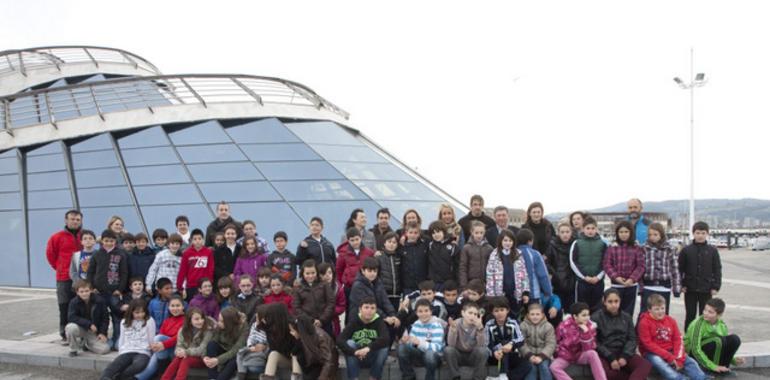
(27, 299)
(756, 284)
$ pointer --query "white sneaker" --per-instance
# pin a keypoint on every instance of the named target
(502, 376)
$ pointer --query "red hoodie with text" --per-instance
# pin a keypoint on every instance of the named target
(195, 265)
(661, 337)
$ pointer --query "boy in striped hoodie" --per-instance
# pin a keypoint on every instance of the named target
(422, 343)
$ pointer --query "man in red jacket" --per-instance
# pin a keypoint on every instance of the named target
(58, 251)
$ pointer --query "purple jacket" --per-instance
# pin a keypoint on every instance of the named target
(249, 265)
(572, 340)
(209, 306)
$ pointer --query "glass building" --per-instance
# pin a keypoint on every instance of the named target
(104, 131)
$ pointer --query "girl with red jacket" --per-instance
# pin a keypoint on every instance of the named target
(165, 342)
(278, 293)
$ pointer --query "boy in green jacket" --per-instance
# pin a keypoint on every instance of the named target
(707, 340)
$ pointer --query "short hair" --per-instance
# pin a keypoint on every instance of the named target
(477, 285)
(196, 231)
(317, 219)
(450, 285)
(222, 203)
(276, 276)
(108, 234)
(125, 236)
(230, 226)
(499, 303)
(163, 282)
(245, 277)
(135, 279)
(383, 210)
(249, 221)
(79, 284)
(589, 220)
(73, 212)
(422, 302)
(280, 234)
(390, 235)
(438, 226)
(655, 300)
(700, 226)
(717, 304)
(470, 304)
(181, 218)
(324, 267)
(352, 232)
(309, 263)
(609, 291)
(477, 224)
(563, 224)
(524, 236)
(368, 300)
(427, 285)
(370, 263)
(500, 208)
(578, 308)
(175, 238)
(87, 232)
(141, 236)
(412, 226)
(533, 306)
(476, 197)
(159, 233)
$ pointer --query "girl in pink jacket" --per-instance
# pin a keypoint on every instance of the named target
(576, 343)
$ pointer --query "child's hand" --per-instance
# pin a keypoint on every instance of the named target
(377, 254)
(524, 299)
(713, 292)
(361, 353)
(102, 337)
(622, 362)
(584, 327)
(157, 347)
(259, 347)
(507, 348)
(722, 369)
(317, 323)
(620, 280)
(552, 313)
(179, 352)
(303, 244)
(740, 361)
(116, 293)
(498, 355)
(405, 339)
(93, 329)
(184, 294)
(414, 340)
(536, 359)
(148, 290)
(677, 365)
(404, 304)
(684, 289)
(124, 308)
(210, 362)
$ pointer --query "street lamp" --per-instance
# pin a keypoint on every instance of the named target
(697, 80)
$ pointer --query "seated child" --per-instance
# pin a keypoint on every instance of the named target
(88, 321)
(708, 342)
(576, 343)
(136, 290)
(466, 343)
(246, 300)
(136, 337)
(229, 337)
(405, 310)
(165, 341)
(367, 284)
(504, 339)
(660, 342)
(252, 358)
(315, 350)
(539, 343)
(159, 305)
(364, 341)
(278, 293)
(206, 300)
(191, 343)
(422, 343)
(452, 301)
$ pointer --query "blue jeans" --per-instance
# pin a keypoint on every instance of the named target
(374, 359)
(152, 365)
(408, 353)
(543, 370)
(690, 371)
(113, 303)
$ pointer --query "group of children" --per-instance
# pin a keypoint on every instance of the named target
(428, 294)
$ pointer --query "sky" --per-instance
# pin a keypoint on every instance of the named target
(568, 103)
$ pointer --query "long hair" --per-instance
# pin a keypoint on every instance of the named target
(225, 282)
(323, 268)
(514, 252)
(661, 230)
(446, 206)
(187, 328)
(134, 305)
(631, 236)
(308, 338)
(417, 214)
(114, 219)
(276, 322)
(532, 206)
(233, 322)
(353, 217)
(245, 252)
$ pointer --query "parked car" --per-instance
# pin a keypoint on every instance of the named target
(761, 244)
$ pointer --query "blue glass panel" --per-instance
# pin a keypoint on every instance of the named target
(148, 175)
(149, 156)
(210, 153)
(397, 191)
(428, 210)
(305, 170)
(54, 147)
(271, 217)
(239, 192)
(99, 177)
(48, 181)
(63, 106)
(387, 172)
(8, 154)
(96, 218)
(323, 132)
(45, 163)
(14, 271)
(231, 171)
(261, 131)
(9, 165)
(9, 182)
(166, 194)
(154, 136)
(334, 214)
(319, 190)
(10, 201)
(348, 153)
(164, 216)
(42, 224)
(94, 160)
(30, 110)
(279, 152)
(209, 132)
(104, 196)
(49, 199)
(100, 142)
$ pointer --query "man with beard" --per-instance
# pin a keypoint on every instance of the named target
(636, 218)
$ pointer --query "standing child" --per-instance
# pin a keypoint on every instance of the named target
(701, 270)
(108, 271)
(414, 259)
(206, 300)
(226, 254)
(127, 242)
(197, 263)
(422, 343)
(135, 290)
(660, 342)
(159, 240)
(316, 353)
(507, 272)
(576, 342)
(350, 256)
(225, 292)
(282, 261)
(253, 357)
(390, 268)
(661, 268)
(586, 256)
(81, 259)
(87, 321)
(251, 259)
(228, 338)
(219, 241)
(315, 298)
(340, 303)
(557, 258)
(365, 341)
(708, 342)
(140, 260)
(166, 340)
(278, 293)
(504, 339)
(136, 337)
(158, 306)
(191, 344)
(475, 255)
(539, 282)
(315, 246)
(539, 344)
(166, 264)
(467, 344)
(443, 255)
(246, 300)
(250, 231)
(624, 265)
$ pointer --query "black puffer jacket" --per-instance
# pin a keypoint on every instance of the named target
(557, 258)
(414, 264)
(363, 288)
(224, 261)
(321, 251)
(92, 313)
(615, 335)
(443, 260)
(701, 268)
(390, 273)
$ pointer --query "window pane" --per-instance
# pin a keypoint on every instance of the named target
(99, 177)
(54, 147)
(334, 214)
(10, 201)
(46, 163)
(48, 181)
(323, 132)
(9, 182)
(145, 138)
(397, 191)
(104, 196)
(95, 218)
(149, 156)
(94, 160)
(164, 216)
(8, 154)
(239, 192)
(166, 194)
(14, 270)
(231, 171)
(209, 132)
(261, 131)
(156, 175)
(271, 217)
(279, 152)
(42, 224)
(319, 190)
(49, 199)
(100, 142)
(9, 165)
(385, 172)
(210, 153)
(348, 153)
(299, 170)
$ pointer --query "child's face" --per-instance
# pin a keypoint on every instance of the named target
(108, 243)
(84, 293)
(589, 230)
(128, 245)
(370, 274)
(535, 315)
(507, 243)
(182, 227)
(700, 236)
(391, 245)
(316, 228)
(328, 277)
(367, 311)
(280, 243)
(166, 291)
(245, 286)
(175, 307)
(478, 234)
(624, 234)
(577, 221)
(653, 236)
(141, 244)
(160, 242)
(424, 314)
(450, 297)
(565, 234)
(264, 281)
(206, 288)
(710, 315)
(197, 241)
(472, 295)
(500, 314)
(174, 246)
(470, 313)
(612, 303)
(249, 230)
(309, 274)
(197, 321)
(438, 235)
(137, 287)
(658, 311)
(231, 236)
(88, 242)
(139, 314)
(583, 317)
(250, 245)
(355, 242)
(219, 240)
(276, 286)
(412, 234)
(428, 294)
(224, 291)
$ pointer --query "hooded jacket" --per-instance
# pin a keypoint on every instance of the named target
(108, 272)
(539, 339)
(349, 263)
(139, 262)
(414, 264)
(660, 337)
(363, 288)
(315, 300)
(473, 261)
(92, 313)
(195, 265)
(572, 340)
(615, 335)
(249, 264)
(701, 268)
(59, 250)
(443, 260)
(557, 257)
(372, 334)
(322, 251)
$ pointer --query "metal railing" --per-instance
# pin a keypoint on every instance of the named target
(24, 60)
(52, 105)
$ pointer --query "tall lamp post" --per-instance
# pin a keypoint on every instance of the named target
(696, 80)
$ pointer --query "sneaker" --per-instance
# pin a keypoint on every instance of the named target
(73, 354)
(502, 376)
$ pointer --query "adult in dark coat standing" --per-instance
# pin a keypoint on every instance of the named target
(477, 213)
(218, 225)
(501, 223)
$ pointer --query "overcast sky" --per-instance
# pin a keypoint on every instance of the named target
(571, 104)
